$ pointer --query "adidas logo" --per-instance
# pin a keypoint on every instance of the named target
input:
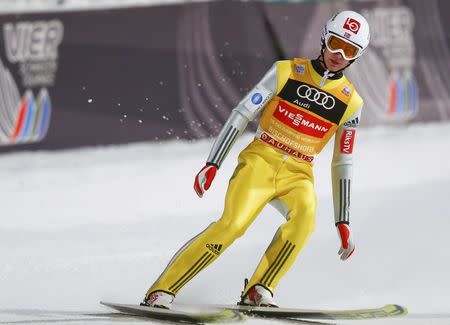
(215, 248)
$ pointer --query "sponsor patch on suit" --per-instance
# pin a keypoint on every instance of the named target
(314, 100)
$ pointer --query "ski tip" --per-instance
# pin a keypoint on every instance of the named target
(396, 310)
(107, 304)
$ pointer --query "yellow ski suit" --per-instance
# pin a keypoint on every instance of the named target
(301, 111)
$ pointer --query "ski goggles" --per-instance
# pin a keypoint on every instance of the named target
(338, 45)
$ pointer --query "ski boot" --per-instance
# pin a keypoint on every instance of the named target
(159, 299)
(257, 296)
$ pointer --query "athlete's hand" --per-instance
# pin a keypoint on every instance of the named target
(204, 179)
(347, 244)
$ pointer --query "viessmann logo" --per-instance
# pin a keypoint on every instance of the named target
(31, 48)
(301, 121)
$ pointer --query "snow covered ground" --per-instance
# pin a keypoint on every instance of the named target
(94, 224)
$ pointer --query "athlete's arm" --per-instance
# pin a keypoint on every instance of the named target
(247, 109)
(243, 113)
(341, 174)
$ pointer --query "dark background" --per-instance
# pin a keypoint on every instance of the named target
(175, 72)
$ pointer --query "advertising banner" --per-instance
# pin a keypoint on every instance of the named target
(403, 77)
(99, 77)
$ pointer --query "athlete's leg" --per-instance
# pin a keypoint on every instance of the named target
(298, 200)
(250, 188)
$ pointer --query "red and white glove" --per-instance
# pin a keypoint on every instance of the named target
(204, 179)
(347, 244)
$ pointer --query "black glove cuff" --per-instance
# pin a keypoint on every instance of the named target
(212, 164)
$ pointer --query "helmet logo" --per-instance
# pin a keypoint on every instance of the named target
(352, 25)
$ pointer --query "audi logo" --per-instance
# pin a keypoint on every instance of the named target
(316, 96)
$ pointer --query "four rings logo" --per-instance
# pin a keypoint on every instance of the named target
(314, 100)
(316, 96)
(22, 120)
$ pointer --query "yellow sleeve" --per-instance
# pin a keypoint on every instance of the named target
(356, 102)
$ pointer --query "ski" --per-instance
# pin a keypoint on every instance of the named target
(223, 315)
(204, 314)
(386, 311)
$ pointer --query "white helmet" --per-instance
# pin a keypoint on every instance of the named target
(350, 27)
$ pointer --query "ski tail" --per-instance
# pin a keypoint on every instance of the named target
(387, 311)
(178, 316)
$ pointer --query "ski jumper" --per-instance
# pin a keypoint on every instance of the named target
(302, 108)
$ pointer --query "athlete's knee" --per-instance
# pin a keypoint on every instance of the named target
(233, 227)
(302, 222)
(311, 224)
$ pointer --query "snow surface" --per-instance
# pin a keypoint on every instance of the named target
(85, 225)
